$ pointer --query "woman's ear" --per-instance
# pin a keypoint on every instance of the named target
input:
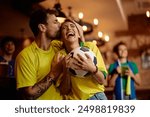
(42, 27)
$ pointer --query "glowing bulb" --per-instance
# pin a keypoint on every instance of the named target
(94, 41)
(95, 21)
(61, 19)
(80, 15)
(147, 13)
(100, 34)
(106, 38)
(84, 28)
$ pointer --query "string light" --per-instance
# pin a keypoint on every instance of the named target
(148, 14)
(106, 38)
(95, 21)
(80, 15)
(100, 34)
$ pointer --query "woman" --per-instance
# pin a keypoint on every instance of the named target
(73, 87)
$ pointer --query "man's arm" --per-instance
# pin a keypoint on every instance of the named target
(33, 92)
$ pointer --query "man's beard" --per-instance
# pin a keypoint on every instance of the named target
(56, 36)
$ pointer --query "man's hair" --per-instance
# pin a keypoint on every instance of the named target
(6, 39)
(116, 47)
(39, 17)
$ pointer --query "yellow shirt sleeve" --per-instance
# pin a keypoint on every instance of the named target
(100, 62)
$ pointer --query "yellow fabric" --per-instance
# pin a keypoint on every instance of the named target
(83, 88)
(33, 64)
(128, 87)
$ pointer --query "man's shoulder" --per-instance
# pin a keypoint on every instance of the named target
(26, 51)
(57, 45)
(114, 64)
(132, 63)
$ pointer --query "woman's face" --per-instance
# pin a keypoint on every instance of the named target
(69, 33)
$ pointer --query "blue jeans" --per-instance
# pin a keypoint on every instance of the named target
(98, 96)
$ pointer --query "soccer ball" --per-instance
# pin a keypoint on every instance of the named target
(82, 51)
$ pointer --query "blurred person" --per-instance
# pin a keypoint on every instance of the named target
(123, 74)
(74, 87)
(7, 57)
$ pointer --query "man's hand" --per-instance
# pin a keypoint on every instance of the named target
(57, 67)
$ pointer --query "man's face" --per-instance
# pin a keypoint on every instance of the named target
(69, 33)
(9, 47)
(52, 26)
(122, 51)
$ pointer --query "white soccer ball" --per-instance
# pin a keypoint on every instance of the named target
(82, 51)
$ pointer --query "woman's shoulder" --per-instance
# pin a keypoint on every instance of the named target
(91, 45)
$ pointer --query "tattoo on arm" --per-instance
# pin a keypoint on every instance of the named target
(37, 90)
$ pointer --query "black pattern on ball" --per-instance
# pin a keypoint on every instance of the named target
(82, 51)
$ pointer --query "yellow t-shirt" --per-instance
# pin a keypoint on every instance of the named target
(33, 64)
(84, 88)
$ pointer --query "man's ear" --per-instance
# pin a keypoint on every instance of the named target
(42, 27)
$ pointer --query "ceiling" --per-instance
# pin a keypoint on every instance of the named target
(112, 14)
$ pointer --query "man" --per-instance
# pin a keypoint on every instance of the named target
(123, 75)
(33, 64)
(8, 49)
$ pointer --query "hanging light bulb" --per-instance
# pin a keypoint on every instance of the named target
(100, 34)
(60, 15)
(106, 38)
(95, 42)
(87, 27)
(80, 15)
(95, 21)
(84, 28)
(148, 14)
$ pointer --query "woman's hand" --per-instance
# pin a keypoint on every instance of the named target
(82, 63)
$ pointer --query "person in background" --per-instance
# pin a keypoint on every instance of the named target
(78, 88)
(8, 49)
(123, 74)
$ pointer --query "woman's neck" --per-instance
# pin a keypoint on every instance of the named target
(70, 47)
